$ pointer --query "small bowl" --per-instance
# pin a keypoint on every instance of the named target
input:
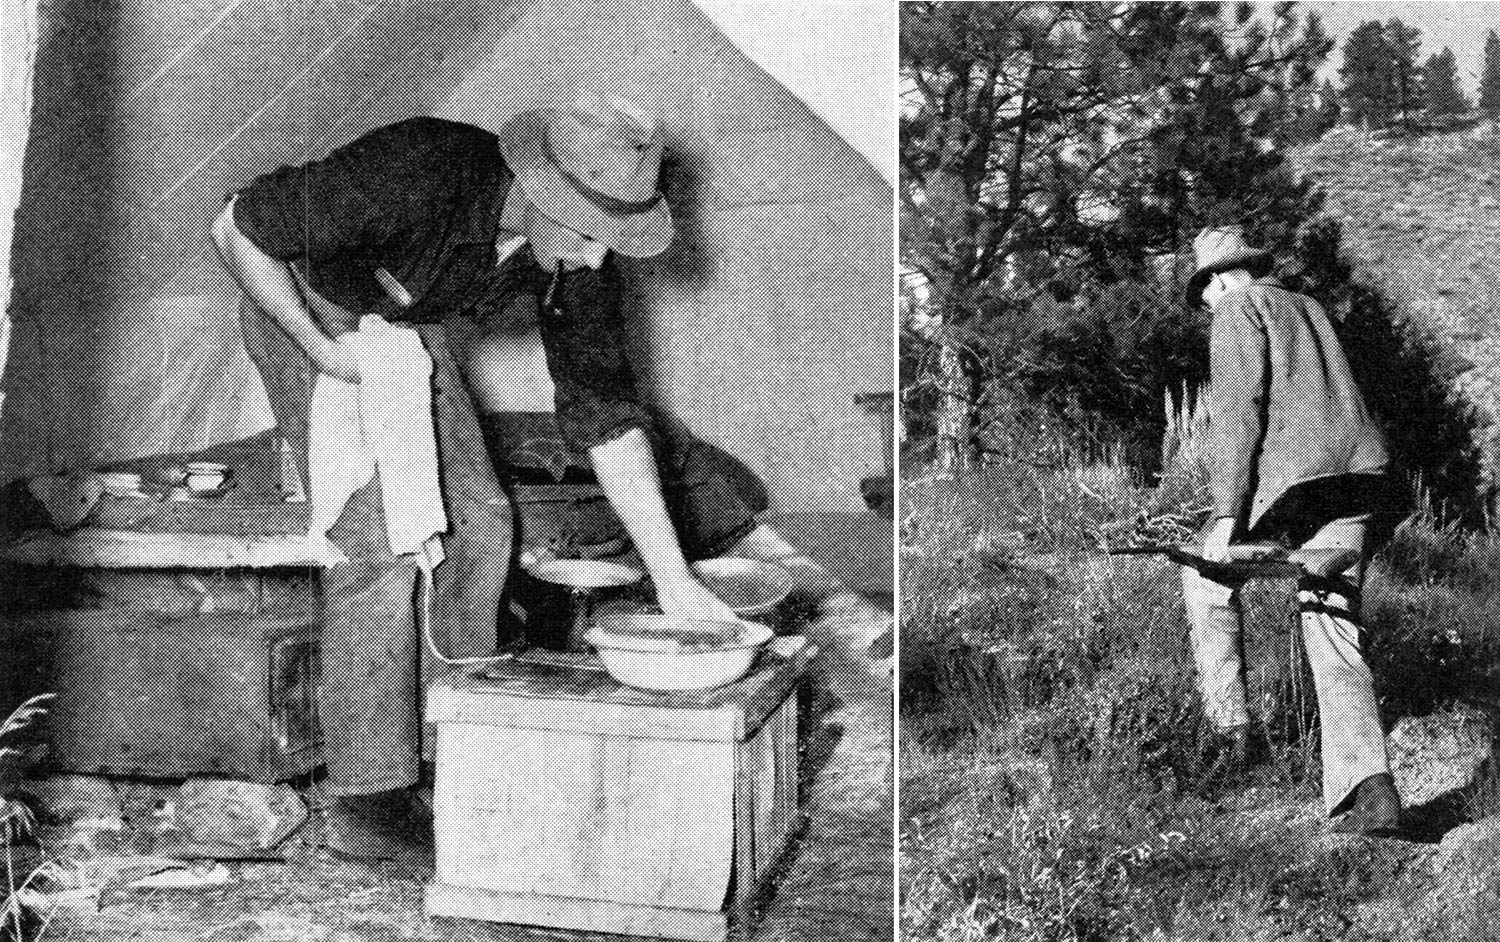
(660, 652)
(206, 475)
(747, 586)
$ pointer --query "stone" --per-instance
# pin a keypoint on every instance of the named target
(1478, 842)
(232, 813)
(96, 838)
(1438, 754)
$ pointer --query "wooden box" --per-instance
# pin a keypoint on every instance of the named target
(566, 800)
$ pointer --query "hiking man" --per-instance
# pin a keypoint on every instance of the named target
(1297, 459)
(421, 222)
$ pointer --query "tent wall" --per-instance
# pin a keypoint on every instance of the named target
(17, 42)
(758, 328)
(125, 338)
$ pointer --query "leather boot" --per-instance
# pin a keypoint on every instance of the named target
(393, 825)
(1227, 756)
(1376, 809)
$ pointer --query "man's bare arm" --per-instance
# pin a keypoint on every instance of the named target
(626, 469)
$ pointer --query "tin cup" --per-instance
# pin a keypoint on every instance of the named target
(206, 475)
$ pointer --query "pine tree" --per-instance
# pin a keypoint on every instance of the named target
(1440, 81)
(1489, 82)
(1366, 76)
(1305, 117)
(1048, 142)
(1404, 43)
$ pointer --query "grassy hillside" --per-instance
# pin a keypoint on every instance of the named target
(1421, 223)
(1059, 781)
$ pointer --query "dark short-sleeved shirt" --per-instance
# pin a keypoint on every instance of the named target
(423, 199)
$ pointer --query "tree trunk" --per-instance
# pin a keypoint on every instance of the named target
(954, 449)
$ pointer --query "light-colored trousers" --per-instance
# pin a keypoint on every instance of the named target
(1353, 740)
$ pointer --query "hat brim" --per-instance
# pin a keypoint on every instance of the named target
(638, 235)
(1204, 275)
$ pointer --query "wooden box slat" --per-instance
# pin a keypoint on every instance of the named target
(540, 696)
(656, 922)
(607, 818)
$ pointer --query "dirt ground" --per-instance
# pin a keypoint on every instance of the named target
(835, 882)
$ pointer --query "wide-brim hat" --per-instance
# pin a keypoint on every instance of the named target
(1219, 249)
(593, 167)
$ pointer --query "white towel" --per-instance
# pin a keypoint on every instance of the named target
(385, 422)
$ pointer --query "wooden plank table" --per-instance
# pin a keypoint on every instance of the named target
(103, 548)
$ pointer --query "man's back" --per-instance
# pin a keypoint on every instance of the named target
(1284, 408)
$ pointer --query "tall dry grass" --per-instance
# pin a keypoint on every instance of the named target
(19, 920)
(1059, 779)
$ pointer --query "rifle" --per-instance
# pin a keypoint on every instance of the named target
(1249, 560)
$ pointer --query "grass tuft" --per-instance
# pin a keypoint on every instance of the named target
(19, 921)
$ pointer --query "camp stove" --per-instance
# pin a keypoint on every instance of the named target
(172, 696)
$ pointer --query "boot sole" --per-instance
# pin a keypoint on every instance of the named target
(415, 856)
(415, 865)
(1381, 829)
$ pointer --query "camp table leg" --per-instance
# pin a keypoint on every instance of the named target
(744, 844)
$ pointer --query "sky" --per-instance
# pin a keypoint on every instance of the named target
(1459, 26)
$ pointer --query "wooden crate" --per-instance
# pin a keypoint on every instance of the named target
(566, 800)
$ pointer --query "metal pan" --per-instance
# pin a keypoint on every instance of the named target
(585, 573)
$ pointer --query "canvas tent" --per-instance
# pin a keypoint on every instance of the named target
(758, 329)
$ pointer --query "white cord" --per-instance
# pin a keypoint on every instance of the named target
(424, 612)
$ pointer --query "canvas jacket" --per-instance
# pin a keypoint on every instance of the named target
(1283, 407)
(422, 199)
